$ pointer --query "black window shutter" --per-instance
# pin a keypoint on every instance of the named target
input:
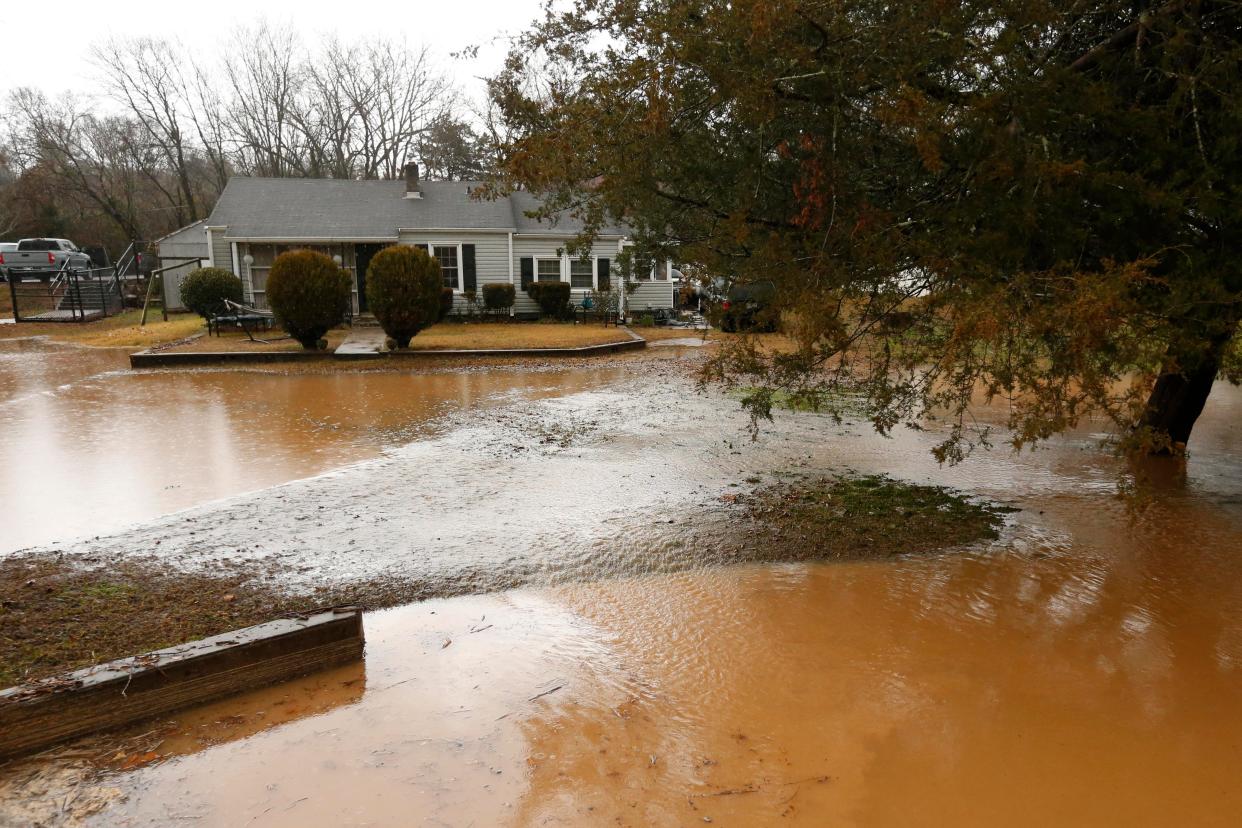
(528, 271)
(605, 274)
(469, 280)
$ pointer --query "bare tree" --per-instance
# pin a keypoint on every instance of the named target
(265, 90)
(86, 155)
(144, 74)
(368, 104)
(341, 110)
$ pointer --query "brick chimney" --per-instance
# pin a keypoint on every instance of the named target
(411, 181)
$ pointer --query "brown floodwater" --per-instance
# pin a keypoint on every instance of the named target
(1084, 669)
(91, 447)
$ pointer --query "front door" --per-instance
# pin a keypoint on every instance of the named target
(362, 260)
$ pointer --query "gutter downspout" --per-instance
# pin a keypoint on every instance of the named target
(623, 304)
(513, 307)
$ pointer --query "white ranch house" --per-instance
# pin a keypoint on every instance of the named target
(476, 241)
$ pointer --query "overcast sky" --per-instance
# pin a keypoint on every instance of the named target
(48, 46)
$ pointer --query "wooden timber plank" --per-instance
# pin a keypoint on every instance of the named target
(128, 690)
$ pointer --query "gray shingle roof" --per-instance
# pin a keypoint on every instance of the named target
(523, 202)
(318, 208)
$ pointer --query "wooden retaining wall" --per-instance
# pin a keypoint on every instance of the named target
(121, 692)
(159, 359)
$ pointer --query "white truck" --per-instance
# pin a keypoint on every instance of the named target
(42, 258)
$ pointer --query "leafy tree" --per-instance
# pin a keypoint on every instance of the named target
(1026, 199)
(403, 291)
(450, 150)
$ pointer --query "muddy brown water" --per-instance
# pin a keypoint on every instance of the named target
(91, 447)
(1086, 669)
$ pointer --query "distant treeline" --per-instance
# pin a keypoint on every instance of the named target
(156, 152)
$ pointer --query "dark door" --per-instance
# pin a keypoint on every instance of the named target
(362, 260)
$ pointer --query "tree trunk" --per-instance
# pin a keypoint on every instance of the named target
(1179, 395)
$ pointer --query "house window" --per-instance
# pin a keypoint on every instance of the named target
(447, 255)
(549, 270)
(644, 268)
(581, 274)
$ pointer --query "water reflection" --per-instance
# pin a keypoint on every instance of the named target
(965, 690)
(90, 447)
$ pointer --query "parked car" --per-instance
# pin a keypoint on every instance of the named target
(747, 307)
(43, 257)
(5, 247)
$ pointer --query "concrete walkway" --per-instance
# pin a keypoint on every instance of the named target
(362, 342)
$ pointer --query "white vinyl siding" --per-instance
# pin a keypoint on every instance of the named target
(221, 251)
(491, 253)
(552, 249)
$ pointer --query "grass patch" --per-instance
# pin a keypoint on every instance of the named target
(501, 335)
(870, 516)
(231, 341)
(840, 402)
(55, 616)
(120, 331)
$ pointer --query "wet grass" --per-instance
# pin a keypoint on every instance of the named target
(497, 335)
(120, 331)
(231, 341)
(55, 616)
(854, 517)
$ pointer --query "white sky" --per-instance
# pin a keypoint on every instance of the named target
(47, 46)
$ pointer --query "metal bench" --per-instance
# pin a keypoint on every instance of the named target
(237, 315)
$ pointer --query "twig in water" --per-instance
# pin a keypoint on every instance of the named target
(546, 692)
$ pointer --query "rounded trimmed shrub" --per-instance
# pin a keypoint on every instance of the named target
(497, 297)
(309, 293)
(205, 289)
(553, 297)
(403, 291)
(446, 303)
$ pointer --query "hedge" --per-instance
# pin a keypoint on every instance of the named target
(553, 297)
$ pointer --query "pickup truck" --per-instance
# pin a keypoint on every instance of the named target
(43, 257)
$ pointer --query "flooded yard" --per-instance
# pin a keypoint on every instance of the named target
(1085, 668)
(92, 447)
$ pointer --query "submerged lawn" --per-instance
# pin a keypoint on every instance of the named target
(500, 335)
(60, 613)
(871, 516)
